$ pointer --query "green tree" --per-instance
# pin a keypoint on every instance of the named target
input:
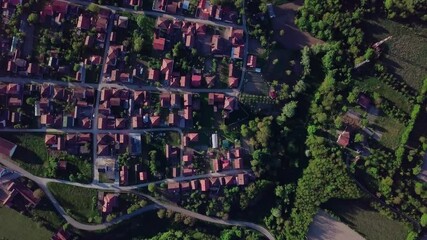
(93, 8)
(33, 18)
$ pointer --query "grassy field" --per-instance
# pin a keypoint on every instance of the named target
(391, 129)
(80, 203)
(13, 225)
(373, 84)
(31, 153)
(365, 220)
(278, 66)
(405, 53)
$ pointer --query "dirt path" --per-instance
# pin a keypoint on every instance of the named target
(285, 20)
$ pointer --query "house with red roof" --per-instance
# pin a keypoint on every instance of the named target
(165, 99)
(61, 235)
(344, 139)
(216, 44)
(137, 122)
(95, 60)
(215, 165)
(50, 139)
(196, 80)
(7, 148)
(124, 175)
(120, 123)
(195, 184)
(241, 179)
(187, 171)
(230, 103)
(167, 68)
(205, 185)
(251, 61)
(184, 81)
(153, 74)
(155, 121)
(143, 176)
(103, 150)
(159, 43)
(83, 22)
(185, 186)
(175, 100)
(188, 99)
(173, 119)
(173, 187)
(228, 180)
(187, 158)
(210, 80)
(238, 163)
(110, 202)
(16, 190)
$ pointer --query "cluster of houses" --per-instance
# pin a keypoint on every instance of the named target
(72, 143)
(80, 116)
(16, 195)
(352, 121)
(208, 184)
(204, 9)
(47, 99)
(195, 36)
(140, 175)
(113, 144)
(208, 11)
(232, 160)
(11, 99)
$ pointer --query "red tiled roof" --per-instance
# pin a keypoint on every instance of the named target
(238, 163)
(204, 185)
(83, 22)
(196, 80)
(143, 176)
(6, 147)
(251, 61)
(155, 120)
(153, 74)
(159, 44)
(50, 139)
(233, 82)
(344, 139)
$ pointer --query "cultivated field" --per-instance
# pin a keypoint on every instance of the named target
(365, 220)
(15, 226)
(406, 53)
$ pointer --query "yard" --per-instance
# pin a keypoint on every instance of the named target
(365, 220)
(80, 203)
(405, 53)
(31, 152)
(14, 225)
(391, 130)
(373, 84)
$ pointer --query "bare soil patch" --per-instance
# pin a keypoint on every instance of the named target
(324, 227)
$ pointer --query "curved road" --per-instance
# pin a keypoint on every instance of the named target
(205, 218)
(42, 182)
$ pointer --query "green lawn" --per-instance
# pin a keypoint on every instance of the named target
(14, 225)
(405, 53)
(80, 203)
(31, 153)
(391, 129)
(366, 221)
(373, 84)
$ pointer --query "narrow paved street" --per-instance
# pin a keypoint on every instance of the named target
(42, 182)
